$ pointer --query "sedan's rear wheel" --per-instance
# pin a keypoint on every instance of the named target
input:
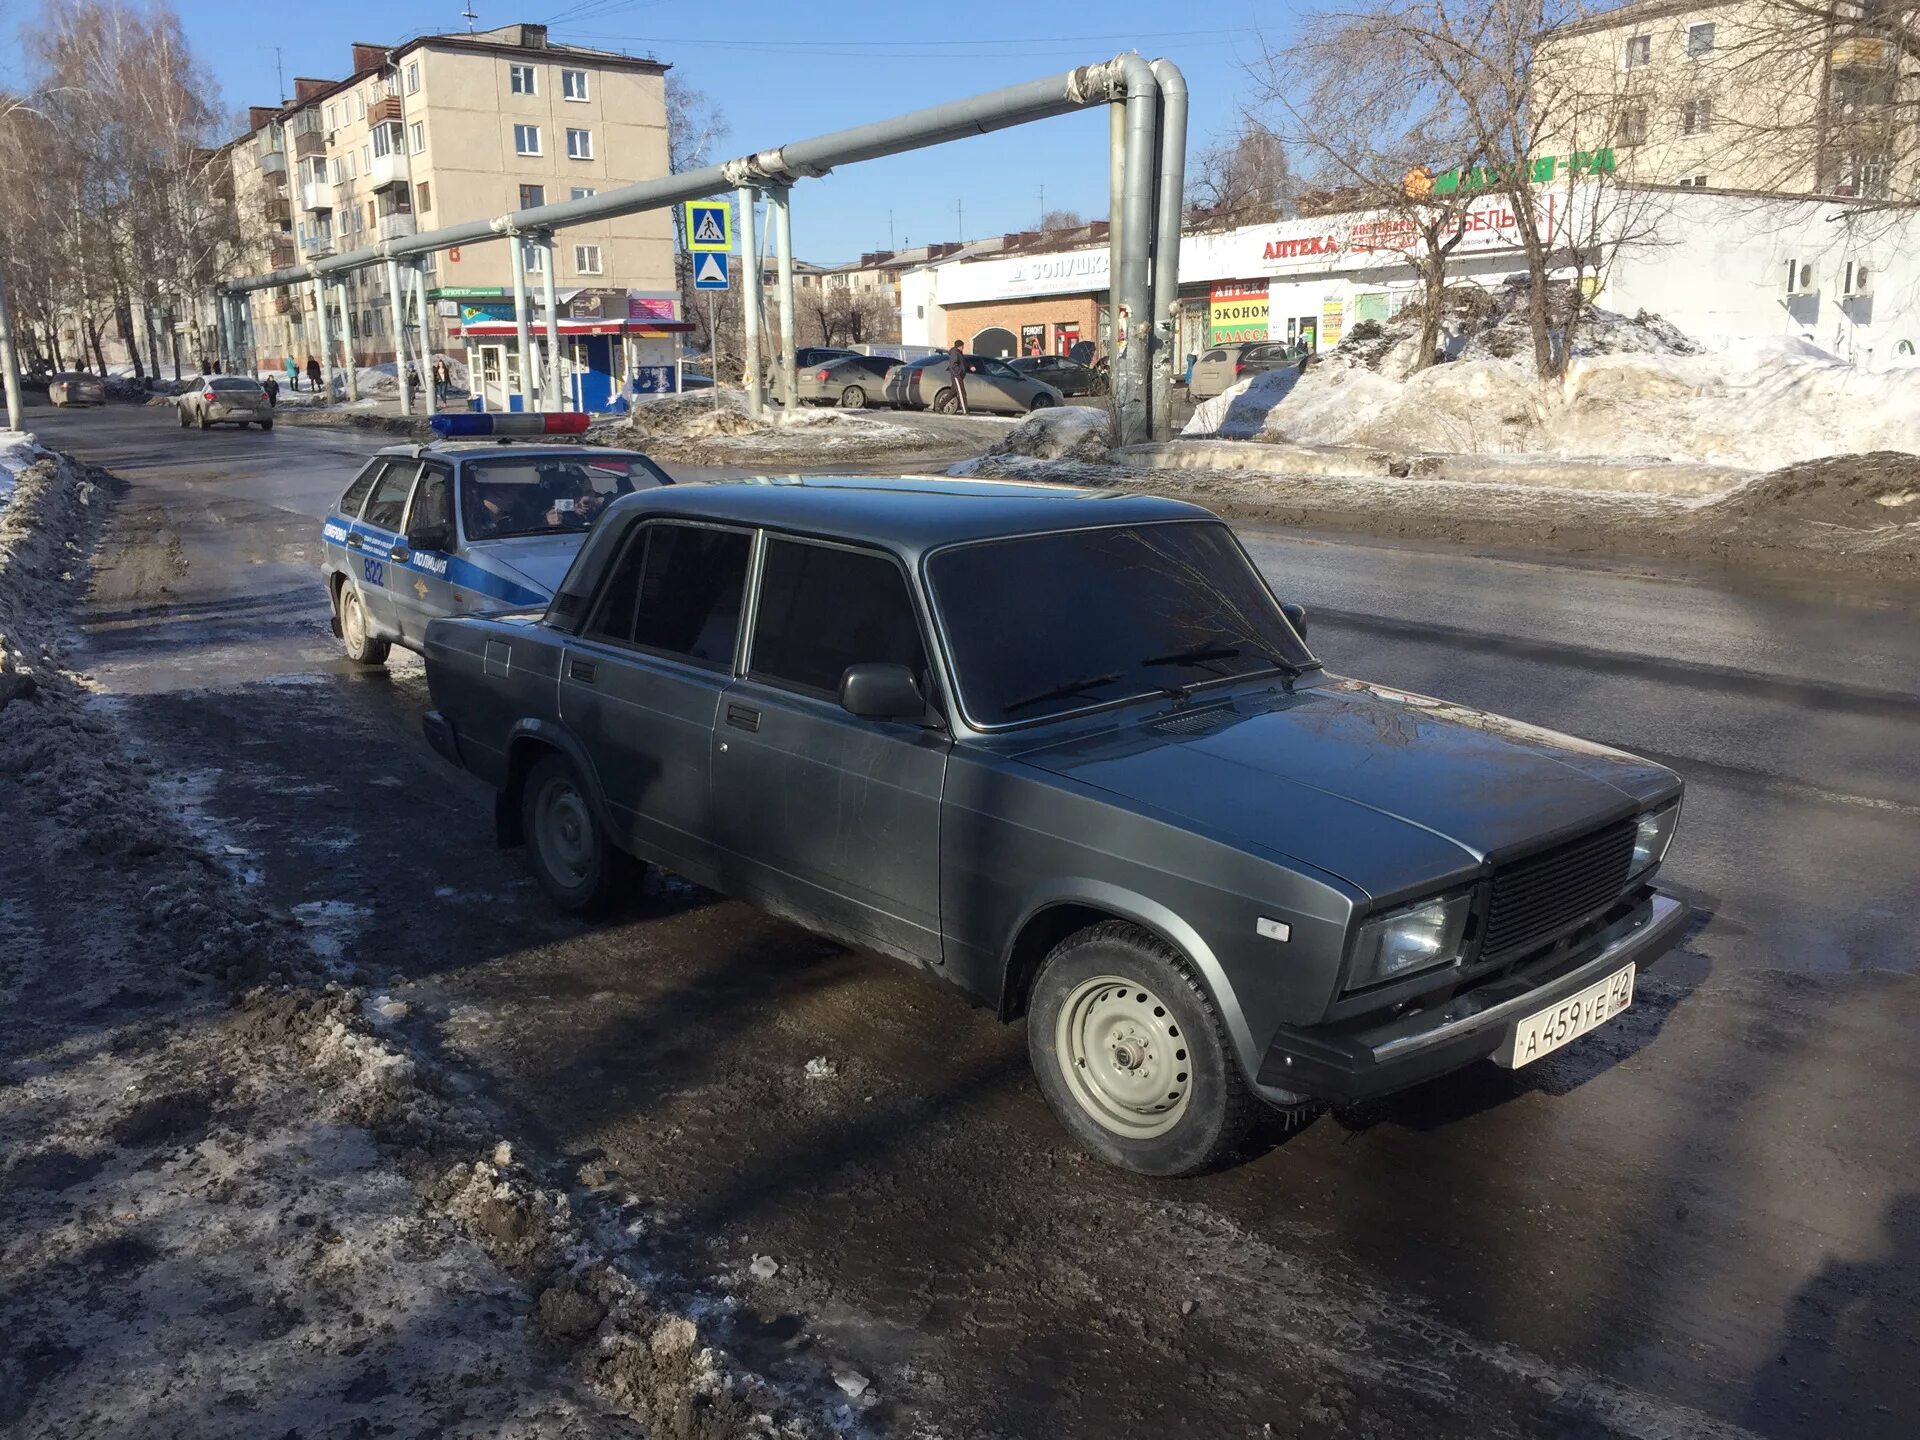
(1042, 402)
(361, 646)
(853, 398)
(946, 402)
(205, 423)
(185, 418)
(574, 861)
(1132, 1056)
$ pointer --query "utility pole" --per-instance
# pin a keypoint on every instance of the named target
(959, 222)
(9, 360)
(1043, 209)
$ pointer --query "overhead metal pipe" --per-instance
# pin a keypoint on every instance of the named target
(1169, 204)
(1001, 109)
(750, 304)
(1130, 365)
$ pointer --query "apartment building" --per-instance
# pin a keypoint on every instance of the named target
(1764, 96)
(444, 129)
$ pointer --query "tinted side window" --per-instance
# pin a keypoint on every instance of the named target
(356, 495)
(1215, 355)
(677, 589)
(823, 609)
(389, 500)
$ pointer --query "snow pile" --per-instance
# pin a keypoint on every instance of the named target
(1754, 405)
(1060, 432)
(17, 452)
(715, 412)
(1872, 492)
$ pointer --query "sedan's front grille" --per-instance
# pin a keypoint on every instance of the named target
(1537, 898)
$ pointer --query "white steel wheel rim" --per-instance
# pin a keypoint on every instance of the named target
(1123, 1057)
(353, 622)
(566, 832)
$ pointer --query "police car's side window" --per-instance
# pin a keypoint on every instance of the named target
(430, 500)
(389, 500)
(356, 495)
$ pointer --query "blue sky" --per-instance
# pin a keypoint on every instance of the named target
(784, 71)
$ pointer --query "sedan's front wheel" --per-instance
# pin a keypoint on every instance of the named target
(573, 859)
(361, 646)
(1131, 1055)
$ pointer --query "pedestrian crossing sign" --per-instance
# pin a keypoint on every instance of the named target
(709, 225)
(710, 272)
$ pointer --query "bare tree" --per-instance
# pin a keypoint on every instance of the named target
(695, 125)
(1055, 221)
(1243, 177)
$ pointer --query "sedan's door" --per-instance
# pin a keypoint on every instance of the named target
(1211, 374)
(639, 684)
(372, 541)
(823, 816)
(424, 591)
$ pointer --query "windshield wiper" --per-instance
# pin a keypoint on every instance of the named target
(1062, 690)
(1221, 650)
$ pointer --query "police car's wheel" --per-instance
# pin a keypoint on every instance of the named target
(185, 419)
(362, 648)
(1131, 1055)
(573, 860)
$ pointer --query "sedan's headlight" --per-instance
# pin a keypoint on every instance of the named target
(1654, 834)
(1405, 942)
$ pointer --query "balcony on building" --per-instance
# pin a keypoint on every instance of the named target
(276, 210)
(317, 243)
(385, 171)
(398, 225)
(316, 188)
(282, 301)
(272, 159)
(1859, 54)
(387, 108)
(281, 256)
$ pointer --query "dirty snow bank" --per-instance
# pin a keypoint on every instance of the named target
(1636, 388)
(17, 452)
(280, 1217)
(1060, 432)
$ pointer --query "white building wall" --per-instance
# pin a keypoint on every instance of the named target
(921, 318)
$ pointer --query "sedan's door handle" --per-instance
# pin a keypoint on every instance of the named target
(353, 539)
(743, 717)
(582, 670)
(400, 553)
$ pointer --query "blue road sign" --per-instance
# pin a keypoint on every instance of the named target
(710, 272)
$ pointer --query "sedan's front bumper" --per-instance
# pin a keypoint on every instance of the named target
(1377, 1055)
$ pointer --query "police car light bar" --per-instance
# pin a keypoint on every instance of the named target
(472, 424)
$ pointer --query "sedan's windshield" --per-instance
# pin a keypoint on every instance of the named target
(544, 494)
(1051, 623)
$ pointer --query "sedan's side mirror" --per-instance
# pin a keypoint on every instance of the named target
(875, 691)
(430, 535)
(1296, 617)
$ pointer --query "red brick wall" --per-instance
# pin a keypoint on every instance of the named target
(966, 321)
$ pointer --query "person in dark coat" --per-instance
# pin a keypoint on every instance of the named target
(313, 373)
(272, 387)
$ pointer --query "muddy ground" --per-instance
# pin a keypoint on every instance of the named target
(1702, 1222)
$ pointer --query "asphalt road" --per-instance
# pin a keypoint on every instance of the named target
(1702, 1220)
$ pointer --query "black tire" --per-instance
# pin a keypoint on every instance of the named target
(853, 398)
(246, 425)
(577, 865)
(185, 419)
(266, 424)
(1118, 975)
(946, 402)
(1042, 402)
(205, 423)
(362, 648)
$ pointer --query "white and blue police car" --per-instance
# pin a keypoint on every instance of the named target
(466, 523)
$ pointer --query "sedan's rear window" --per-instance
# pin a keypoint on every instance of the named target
(1046, 624)
(234, 382)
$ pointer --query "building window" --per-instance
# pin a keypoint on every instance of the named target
(359, 107)
(573, 84)
(430, 261)
(413, 78)
(366, 152)
(1696, 117)
(586, 259)
(1700, 39)
(526, 139)
(521, 79)
(579, 144)
(333, 115)
(1693, 182)
(419, 128)
(532, 196)
(1633, 125)
(382, 140)
(423, 195)
(583, 192)
(534, 257)
(1639, 51)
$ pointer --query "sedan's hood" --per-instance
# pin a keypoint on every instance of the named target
(1385, 789)
(540, 561)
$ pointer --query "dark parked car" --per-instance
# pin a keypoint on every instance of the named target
(1069, 377)
(1066, 752)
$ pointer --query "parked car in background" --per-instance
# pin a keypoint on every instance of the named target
(849, 381)
(993, 387)
(809, 357)
(1068, 752)
(76, 387)
(1224, 366)
(226, 400)
(1069, 377)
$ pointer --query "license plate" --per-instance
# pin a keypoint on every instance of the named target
(1547, 1030)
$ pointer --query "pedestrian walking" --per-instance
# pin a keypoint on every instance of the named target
(313, 373)
(957, 372)
(272, 387)
(442, 381)
(293, 374)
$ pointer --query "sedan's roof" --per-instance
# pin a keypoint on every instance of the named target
(907, 513)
